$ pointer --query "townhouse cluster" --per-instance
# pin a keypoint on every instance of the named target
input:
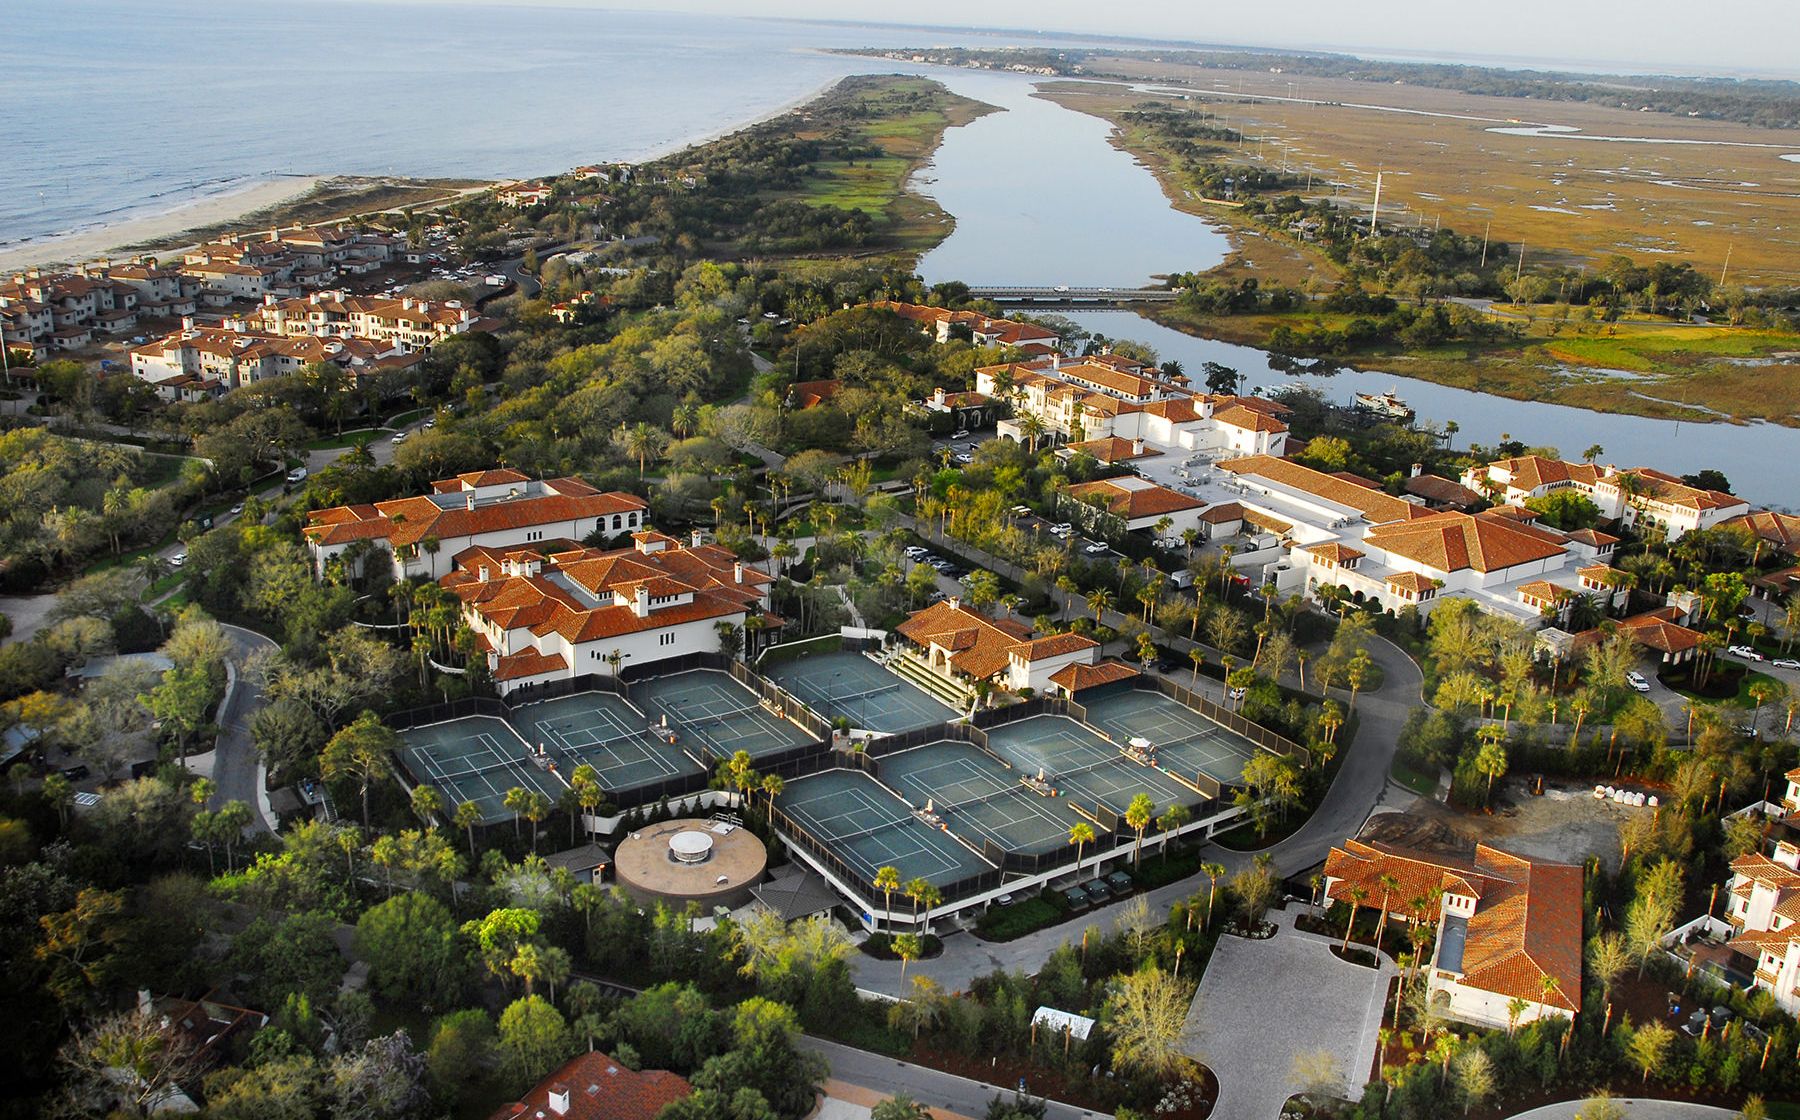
(364, 335)
(543, 605)
(59, 312)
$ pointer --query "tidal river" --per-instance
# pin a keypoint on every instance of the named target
(1041, 198)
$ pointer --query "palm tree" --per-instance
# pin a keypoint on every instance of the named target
(643, 443)
(908, 947)
(1198, 657)
(536, 808)
(1356, 895)
(1213, 872)
(887, 881)
(915, 890)
(1099, 601)
(1138, 814)
(468, 815)
(1081, 834)
(772, 786)
(426, 801)
(516, 799)
(1389, 884)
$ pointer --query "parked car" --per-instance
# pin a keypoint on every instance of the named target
(399, 437)
(76, 773)
(914, 552)
(960, 433)
(1004, 900)
(1785, 663)
(1062, 527)
(1637, 682)
(237, 509)
(963, 457)
(1747, 653)
(1021, 511)
(1095, 548)
(298, 474)
(1237, 693)
(178, 560)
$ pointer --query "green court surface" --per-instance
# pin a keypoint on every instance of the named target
(842, 683)
(474, 759)
(869, 828)
(1185, 741)
(601, 730)
(979, 798)
(711, 709)
(1081, 764)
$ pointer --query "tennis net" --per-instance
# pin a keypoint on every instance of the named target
(574, 754)
(718, 717)
(439, 773)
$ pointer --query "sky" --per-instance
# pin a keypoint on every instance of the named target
(1741, 37)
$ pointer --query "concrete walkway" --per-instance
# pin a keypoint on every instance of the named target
(1262, 1004)
(1635, 1109)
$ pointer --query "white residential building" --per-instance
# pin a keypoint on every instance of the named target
(964, 646)
(545, 614)
(493, 509)
(1631, 497)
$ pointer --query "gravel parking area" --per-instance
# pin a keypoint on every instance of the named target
(1261, 1004)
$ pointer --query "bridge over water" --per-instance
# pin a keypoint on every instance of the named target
(1073, 297)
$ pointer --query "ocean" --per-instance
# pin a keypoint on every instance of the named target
(113, 109)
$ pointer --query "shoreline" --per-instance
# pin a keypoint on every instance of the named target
(84, 245)
(234, 207)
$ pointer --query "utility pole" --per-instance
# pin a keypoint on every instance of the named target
(1519, 275)
(1375, 214)
(1484, 241)
(1727, 267)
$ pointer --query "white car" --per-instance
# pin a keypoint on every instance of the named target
(914, 552)
(1785, 663)
(237, 509)
(1021, 511)
(298, 474)
(1637, 682)
(1747, 653)
(178, 560)
(960, 433)
(399, 437)
(1062, 527)
(1061, 532)
(1095, 548)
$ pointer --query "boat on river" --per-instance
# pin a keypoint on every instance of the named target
(1384, 404)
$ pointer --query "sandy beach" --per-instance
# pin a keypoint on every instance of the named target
(75, 248)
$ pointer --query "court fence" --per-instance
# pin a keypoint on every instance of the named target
(822, 850)
(1230, 720)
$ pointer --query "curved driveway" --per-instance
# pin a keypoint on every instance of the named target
(238, 771)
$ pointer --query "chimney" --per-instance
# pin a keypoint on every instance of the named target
(694, 539)
(1056, 359)
(559, 1099)
(955, 602)
(1418, 469)
(407, 303)
(642, 607)
(187, 322)
(469, 500)
(937, 395)
(737, 572)
(1137, 447)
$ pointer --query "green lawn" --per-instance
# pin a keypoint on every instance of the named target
(1419, 781)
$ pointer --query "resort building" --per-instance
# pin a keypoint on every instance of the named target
(1763, 906)
(592, 1086)
(983, 330)
(1136, 503)
(1634, 497)
(1509, 928)
(195, 363)
(64, 311)
(964, 646)
(495, 509)
(1102, 396)
(403, 322)
(549, 611)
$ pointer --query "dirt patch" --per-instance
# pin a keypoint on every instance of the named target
(1566, 824)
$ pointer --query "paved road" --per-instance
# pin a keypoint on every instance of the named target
(237, 768)
(1635, 1109)
(927, 1086)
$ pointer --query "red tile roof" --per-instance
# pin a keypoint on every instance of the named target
(406, 521)
(1451, 542)
(1074, 678)
(1134, 502)
(978, 645)
(599, 1088)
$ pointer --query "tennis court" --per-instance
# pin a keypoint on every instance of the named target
(1185, 740)
(869, 828)
(842, 683)
(477, 758)
(1082, 765)
(710, 708)
(979, 798)
(605, 732)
